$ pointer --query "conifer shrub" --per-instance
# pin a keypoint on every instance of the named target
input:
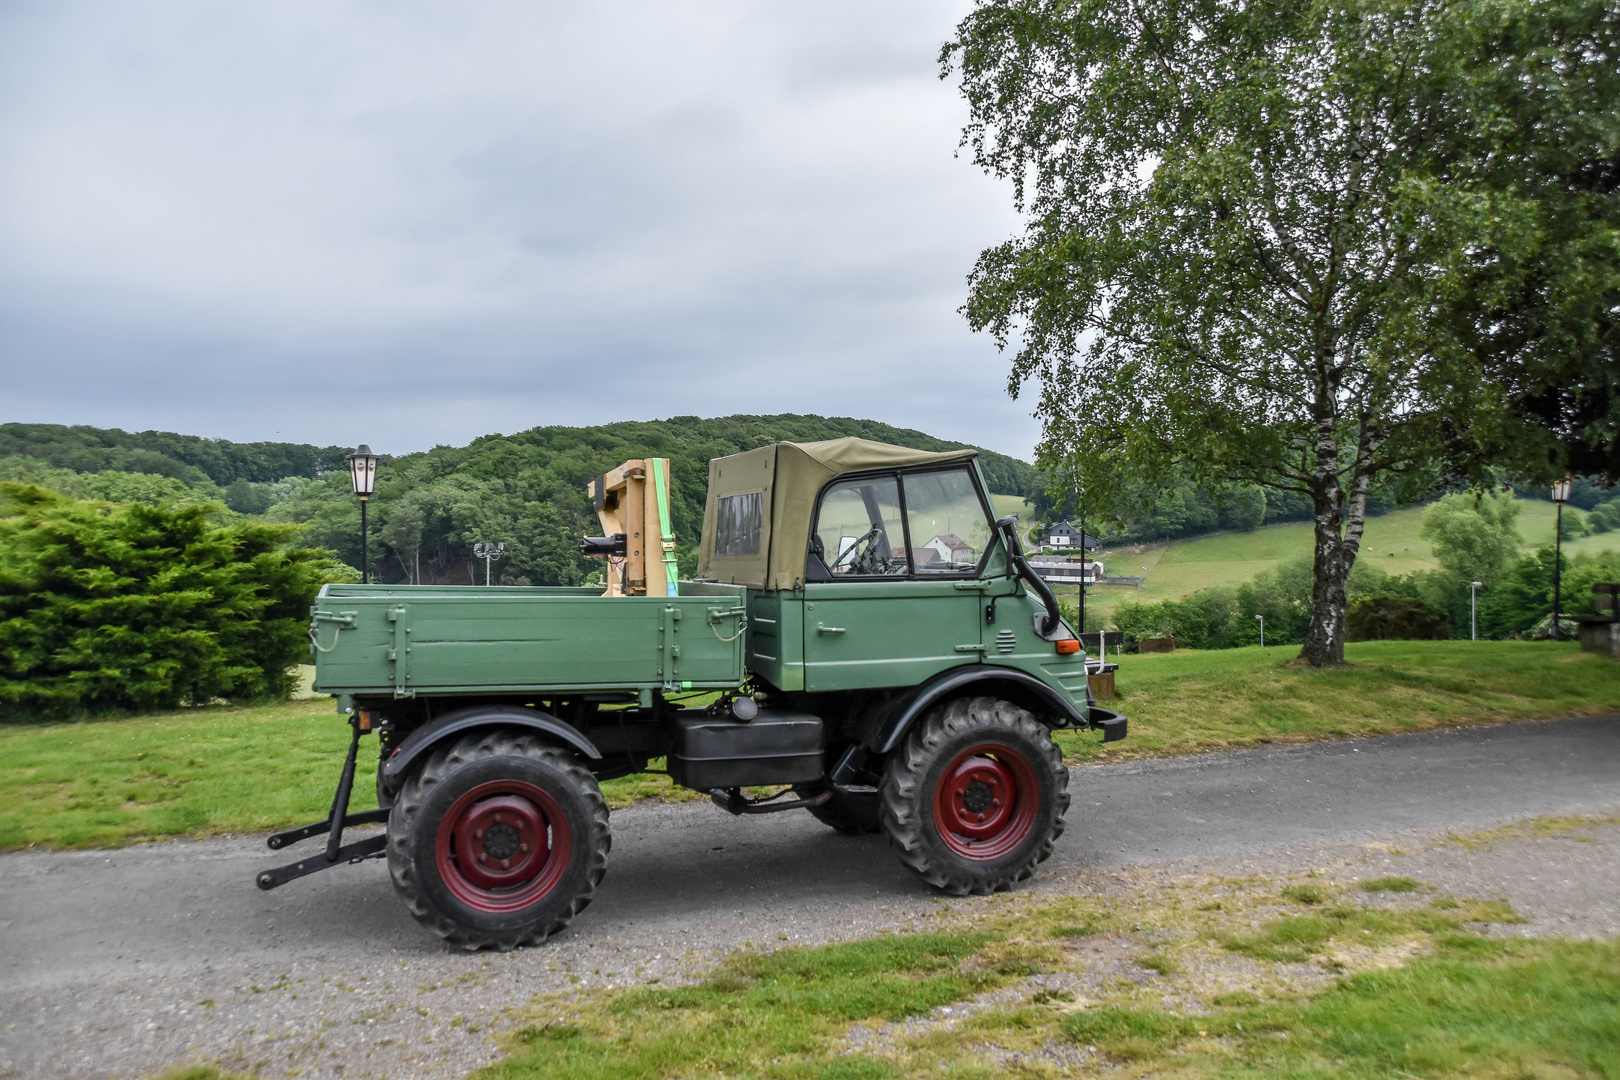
(110, 608)
(1382, 618)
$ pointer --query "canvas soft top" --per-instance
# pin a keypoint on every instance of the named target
(770, 550)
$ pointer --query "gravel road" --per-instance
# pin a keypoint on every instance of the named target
(119, 963)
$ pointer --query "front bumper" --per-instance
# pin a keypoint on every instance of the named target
(1109, 722)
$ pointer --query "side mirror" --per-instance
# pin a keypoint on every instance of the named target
(1008, 528)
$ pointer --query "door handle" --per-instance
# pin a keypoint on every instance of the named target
(824, 629)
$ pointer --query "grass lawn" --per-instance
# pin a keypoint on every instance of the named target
(201, 772)
(1391, 543)
(1422, 994)
(1188, 701)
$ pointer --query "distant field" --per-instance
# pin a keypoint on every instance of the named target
(1010, 504)
(1391, 543)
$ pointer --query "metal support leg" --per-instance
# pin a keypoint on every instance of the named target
(340, 805)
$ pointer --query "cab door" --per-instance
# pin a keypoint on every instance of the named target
(895, 598)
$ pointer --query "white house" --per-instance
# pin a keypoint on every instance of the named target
(1065, 535)
(951, 548)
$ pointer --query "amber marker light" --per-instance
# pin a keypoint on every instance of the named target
(1067, 646)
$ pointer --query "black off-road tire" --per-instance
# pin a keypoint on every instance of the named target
(857, 813)
(497, 762)
(1020, 780)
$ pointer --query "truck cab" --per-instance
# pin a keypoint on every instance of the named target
(864, 640)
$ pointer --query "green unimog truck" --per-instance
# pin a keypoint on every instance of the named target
(863, 636)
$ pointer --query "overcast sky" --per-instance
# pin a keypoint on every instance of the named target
(408, 224)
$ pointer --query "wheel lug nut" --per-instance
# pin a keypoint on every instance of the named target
(523, 847)
(482, 857)
(478, 834)
(505, 863)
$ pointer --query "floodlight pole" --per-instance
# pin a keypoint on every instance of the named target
(1473, 609)
(1262, 619)
(489, 553)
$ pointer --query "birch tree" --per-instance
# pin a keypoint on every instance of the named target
(1245, 223)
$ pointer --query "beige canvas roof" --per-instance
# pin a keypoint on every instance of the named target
(788, 476)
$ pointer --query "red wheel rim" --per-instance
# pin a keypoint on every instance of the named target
(984, 803)
(502, 846)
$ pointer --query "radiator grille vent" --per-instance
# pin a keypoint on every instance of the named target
(1006, 641)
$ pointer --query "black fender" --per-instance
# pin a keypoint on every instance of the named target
(1011, 684)
(432, 733)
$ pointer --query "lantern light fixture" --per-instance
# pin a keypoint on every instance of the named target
(363, 471)
(363, 476)
(1560, 494)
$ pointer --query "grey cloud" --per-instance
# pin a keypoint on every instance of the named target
(244, 220)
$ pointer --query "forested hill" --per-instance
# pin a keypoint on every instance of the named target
(185, 457)
(525, 489)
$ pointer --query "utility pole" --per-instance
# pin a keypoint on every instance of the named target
(1560, 494)
(1085, 561)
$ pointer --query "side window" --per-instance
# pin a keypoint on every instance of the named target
(737, 524)
(858, 531)
(949, 525)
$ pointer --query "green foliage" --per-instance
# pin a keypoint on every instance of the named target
(1383, 618)
(528, 490)
(1584, 571)
(1520, 598)
(112, 485)
(1247, 226)
(1219, 617)
(1390, 884)
(1473, 534)
(1539, 251)
(1184, 510)
(246, 497)
(136, 606)
(184, 457)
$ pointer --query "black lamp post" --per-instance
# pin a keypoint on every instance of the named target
(363, 474)
(1560, 494)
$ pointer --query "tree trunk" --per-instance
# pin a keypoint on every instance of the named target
(1339, 524)
(1324, 642)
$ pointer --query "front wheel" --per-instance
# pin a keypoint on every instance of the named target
(974, 799)
(498, 840)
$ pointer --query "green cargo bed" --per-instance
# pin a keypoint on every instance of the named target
(404, 640)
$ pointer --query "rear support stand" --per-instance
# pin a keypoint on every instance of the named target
(336, 820)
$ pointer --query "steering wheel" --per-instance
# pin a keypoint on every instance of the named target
(854, 555)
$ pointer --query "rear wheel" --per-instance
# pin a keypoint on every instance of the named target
(498, 840)
(974, 799)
